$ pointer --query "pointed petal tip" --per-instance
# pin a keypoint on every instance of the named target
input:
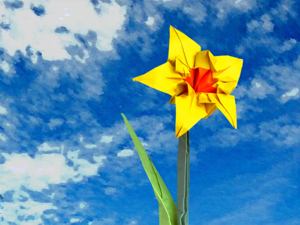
(241, 61)
(233, 123)
(180, 132)
(137, 79)
(235, 126)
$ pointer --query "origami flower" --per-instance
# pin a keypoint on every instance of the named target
(197, 81)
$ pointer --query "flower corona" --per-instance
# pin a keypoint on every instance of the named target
(197, 81)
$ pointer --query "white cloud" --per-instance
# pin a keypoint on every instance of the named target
(55, 122)
(40, 30)
(292, 94)
(275, 80)
(74, 220)
(264, 24)
(99, 159)
(110, 191)
(82, 205)
(133, 222)
(150, 21)
(4, 66)
(33, 173)
(245, 109)
(106, 139)
(3, 110)
(107, 221)
(284, 77)
(228, 137)
(83, 167)
(23, 210)
(195, 10)
(225, 7)
(21, 170)
(90, 146)
(259, 89)
(3, 137)
(46, 147)
(259, 30)
(287, 45)
(282, 132)
(150, 15)
(261, 40)
(125, 153)
(285, 9)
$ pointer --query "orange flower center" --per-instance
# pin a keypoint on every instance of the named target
(201, 80)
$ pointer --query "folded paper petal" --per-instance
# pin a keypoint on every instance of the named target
(182, 68)
(210, 108)
(182, 47)
(209, 101)
(227, 106)
(198, 82)
(188, 111)
(225, 87)
(222, 62)
(162, 78)
(202, 60)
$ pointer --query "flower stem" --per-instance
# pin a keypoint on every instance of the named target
(183, 182)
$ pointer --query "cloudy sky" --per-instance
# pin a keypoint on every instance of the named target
(65, 77)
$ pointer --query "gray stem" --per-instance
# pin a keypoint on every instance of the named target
(183, 182)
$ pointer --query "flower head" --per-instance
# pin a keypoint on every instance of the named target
(197, 81)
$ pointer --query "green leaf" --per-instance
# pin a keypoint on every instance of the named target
(167, 207)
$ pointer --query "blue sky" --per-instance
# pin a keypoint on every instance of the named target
(65, 77)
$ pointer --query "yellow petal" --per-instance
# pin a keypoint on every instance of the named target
(221, 62)
(210, 108)
(202, 60)
(188, 112)
(227, 68)
(162, 78)
(226, 87)
(227, 106)
(181, 67)
(182, 47)
(209, 100)
(203, 98)
(229, 77)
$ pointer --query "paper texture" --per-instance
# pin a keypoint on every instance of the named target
(197, 81)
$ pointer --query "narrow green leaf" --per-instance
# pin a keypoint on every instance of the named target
(167, 207)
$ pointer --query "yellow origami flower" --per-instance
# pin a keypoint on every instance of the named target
(197, 81)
